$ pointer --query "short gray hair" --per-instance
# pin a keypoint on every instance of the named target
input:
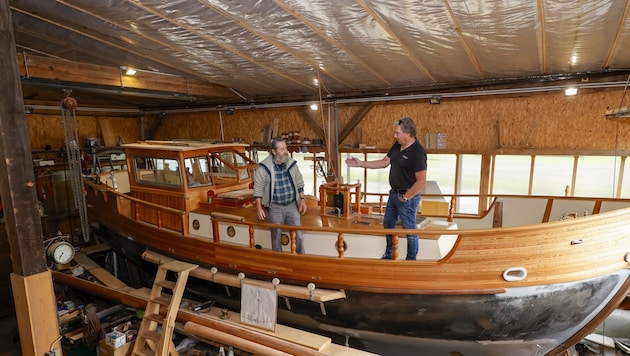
(275, 141)
(407, 125)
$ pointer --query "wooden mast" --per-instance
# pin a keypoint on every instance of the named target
(31, 281)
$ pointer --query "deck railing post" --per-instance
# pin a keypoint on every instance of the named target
(340, 248)
(395, 247)
(293, 242)
(136, 207)
(215, 231)
(252, 242)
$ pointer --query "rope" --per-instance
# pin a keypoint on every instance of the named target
(93, 332)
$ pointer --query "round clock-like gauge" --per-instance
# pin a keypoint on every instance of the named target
(61, 252)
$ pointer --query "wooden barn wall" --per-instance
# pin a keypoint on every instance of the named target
(47, 130)
(539, 122)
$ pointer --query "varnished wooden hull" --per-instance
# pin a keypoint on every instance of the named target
(576, 275)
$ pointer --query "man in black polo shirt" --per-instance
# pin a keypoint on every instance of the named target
(407, 177)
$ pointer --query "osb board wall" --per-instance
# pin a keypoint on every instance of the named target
(113, 129)
(48, 130)
(539, 122)
(551, 121)
(246, 125)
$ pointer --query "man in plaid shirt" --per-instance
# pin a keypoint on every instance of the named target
(279, 193)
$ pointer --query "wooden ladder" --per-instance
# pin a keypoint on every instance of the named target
(149, 340)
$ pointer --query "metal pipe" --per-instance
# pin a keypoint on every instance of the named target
(472, 93)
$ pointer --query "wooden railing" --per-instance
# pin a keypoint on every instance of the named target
(490, 199)
(136, 205)
(431, 234)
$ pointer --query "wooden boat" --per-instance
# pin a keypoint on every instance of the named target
(534, 286)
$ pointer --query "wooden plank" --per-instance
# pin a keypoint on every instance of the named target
(354, 121)
(58, 69)
(285, 290)
(108, 132)
(98, 272)
(287, 339)
(74, 335)
(89, 250)
(232, 323)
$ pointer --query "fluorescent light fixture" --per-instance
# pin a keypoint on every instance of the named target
(435, 99)
(314, 107)
(570, 91)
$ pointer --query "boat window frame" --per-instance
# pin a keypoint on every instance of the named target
(200, 177)
(240, 173)
(156, 176)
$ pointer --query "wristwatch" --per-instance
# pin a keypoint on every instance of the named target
(405, 198)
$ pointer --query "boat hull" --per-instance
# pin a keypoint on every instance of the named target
(531, 320)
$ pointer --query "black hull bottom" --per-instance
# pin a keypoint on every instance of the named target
(522, 321)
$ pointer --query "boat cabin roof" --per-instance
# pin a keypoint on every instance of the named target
(183, 146)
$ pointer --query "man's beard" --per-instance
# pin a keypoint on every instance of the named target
(280, 159)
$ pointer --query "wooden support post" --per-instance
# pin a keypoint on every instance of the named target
(34, 299)
(31, 282)
(497, 219)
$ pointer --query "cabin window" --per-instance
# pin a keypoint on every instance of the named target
(157, 171)
(198, 171)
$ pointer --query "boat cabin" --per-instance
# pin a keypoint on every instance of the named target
(182, 176)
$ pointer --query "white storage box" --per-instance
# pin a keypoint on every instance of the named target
(115, 339)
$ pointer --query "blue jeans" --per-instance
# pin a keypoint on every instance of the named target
(406, 211)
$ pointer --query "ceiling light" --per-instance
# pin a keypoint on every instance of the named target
(435, 99)
(127, 70)
(316, 82)
(314, 107)
(570, 91)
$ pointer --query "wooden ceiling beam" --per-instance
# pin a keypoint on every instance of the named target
(543, 36)
(114, 44)
(77, 72)
(269, 39)
(462, 40)
(615, 43)
(354, 121)
(396, 38)
(198, 34)
(323, 34)
(316, 125)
